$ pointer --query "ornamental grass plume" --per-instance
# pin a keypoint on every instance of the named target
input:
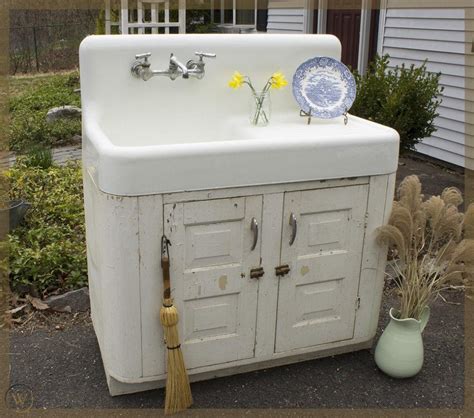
(432, 243)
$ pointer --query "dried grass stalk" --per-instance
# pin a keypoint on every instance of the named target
(468, 222)
(390, 235)
(452, 196)
(402, 220)
(433, 243)
(410, 193)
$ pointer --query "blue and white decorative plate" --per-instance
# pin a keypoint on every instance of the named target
(325, 87)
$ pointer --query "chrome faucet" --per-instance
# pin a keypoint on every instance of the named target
(141, 67)
(175, 64)
(196, 68)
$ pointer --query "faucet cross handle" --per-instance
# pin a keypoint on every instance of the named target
(201, 55)
(144, 57)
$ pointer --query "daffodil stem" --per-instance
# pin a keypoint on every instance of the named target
(259, 99)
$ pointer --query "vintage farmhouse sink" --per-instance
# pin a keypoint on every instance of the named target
(274, 258)
(188, 134)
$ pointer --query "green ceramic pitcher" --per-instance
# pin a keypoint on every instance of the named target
(399, 351)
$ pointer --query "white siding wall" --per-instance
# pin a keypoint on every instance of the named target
(413, 35)
(285, 20)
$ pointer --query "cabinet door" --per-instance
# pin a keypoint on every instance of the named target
(317, 299)
(211, 257)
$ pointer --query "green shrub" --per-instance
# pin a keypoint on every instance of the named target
(39, 156)
(48, 250)
(205, 28)
(404, 98)
(28, 126)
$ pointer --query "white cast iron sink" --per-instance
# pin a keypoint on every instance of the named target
(164, 136)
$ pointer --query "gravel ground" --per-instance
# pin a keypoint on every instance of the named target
(62, 364)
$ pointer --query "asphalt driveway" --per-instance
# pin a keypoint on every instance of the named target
(64, 370)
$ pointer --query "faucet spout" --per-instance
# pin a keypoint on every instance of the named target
(174, 62)
(165, 73)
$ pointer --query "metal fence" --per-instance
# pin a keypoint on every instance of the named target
(50, 47)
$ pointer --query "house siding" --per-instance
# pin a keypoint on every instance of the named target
(285, 19)
(439, 35)
(410, 35)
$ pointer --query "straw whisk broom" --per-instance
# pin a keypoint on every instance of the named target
(178, 391)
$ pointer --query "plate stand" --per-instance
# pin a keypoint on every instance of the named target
(304, 114)
(346, 119)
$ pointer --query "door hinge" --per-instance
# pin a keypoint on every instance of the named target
(357, 304)
(282, 270)
(366, 220)
(256, 273)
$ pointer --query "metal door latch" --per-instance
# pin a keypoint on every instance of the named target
(256, 273)
(282, 270)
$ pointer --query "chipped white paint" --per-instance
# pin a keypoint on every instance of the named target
(229, 322)
(211, 243)
(202, 180)
(313, 308)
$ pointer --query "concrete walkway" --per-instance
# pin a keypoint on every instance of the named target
(60, 155)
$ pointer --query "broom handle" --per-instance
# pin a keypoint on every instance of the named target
(165, 265)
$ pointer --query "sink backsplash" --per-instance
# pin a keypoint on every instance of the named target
(128, 104)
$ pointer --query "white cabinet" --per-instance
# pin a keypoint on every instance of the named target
(216, 249)
(322, 245)
(261, 276)
(211, 255)
(207, 181)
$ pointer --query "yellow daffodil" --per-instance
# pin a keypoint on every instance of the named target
(275, 81)
(278, 80)
(236, 81)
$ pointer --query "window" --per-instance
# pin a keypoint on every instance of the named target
(233, 12)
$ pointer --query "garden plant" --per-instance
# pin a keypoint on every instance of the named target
(432, 243)
(47, 252)
(30, 104)
(404, 98)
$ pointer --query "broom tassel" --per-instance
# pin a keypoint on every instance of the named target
(178, 390)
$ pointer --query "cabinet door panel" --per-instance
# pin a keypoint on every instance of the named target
(316, 300)
(211, 258)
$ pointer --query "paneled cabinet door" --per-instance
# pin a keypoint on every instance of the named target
(215, 244)
(317, 298)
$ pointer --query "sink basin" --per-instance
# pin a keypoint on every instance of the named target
(163, 136)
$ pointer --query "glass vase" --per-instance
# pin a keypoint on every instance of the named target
(260, 108)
